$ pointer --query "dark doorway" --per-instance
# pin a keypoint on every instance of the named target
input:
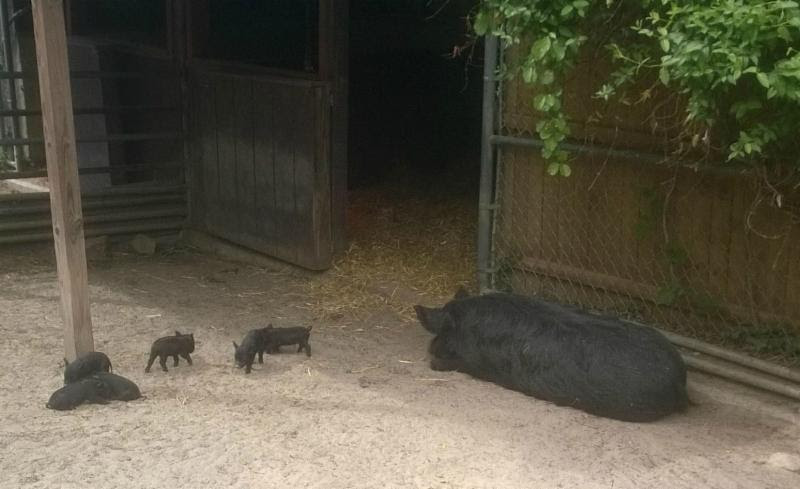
(415, 95)
(414, 149)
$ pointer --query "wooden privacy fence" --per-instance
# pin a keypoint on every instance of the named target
(648, 242)
(699, 253)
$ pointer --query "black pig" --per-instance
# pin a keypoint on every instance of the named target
(597, 364)
(85, 365)
(277, 337)
(72, 395)
(254, 342)
(118, 388)
(171, 346)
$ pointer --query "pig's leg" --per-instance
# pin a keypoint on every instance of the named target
(150, 362)
(444, 364)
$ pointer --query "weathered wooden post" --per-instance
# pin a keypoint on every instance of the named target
(62, 173)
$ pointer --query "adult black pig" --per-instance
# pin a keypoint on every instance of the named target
(597, 364)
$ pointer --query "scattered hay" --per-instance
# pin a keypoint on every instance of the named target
(403, 249)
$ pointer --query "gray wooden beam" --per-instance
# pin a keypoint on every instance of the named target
(62, 172)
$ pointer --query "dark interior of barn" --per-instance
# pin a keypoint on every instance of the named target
(415, 95)
(415, 92)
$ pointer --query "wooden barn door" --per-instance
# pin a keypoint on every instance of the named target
(266, 163)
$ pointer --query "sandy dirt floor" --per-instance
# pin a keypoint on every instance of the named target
(363, 412)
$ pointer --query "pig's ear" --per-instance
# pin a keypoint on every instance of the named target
(432, 319)
(178, 333)
(236, 347)
(461, 293)
(66, 362)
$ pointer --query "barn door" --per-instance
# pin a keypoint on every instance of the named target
(263, 147)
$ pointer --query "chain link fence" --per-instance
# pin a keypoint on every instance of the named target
(700, 254)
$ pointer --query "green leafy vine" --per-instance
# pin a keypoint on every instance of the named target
(735, 63)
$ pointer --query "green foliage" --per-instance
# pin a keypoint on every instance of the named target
(767, 340)
(553, 30)
(735, 62)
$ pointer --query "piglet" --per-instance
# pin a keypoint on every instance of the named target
(72, 395)
(118, 388)
(86, 365)
(254, 342)
(275, 338)
(171, 346)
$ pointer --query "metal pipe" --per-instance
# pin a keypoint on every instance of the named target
(742, 376)
(733, 357)
(581, 148)
(485, 199)
(629, 154)
(5, 8)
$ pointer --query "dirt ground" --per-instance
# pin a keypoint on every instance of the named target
(363, 412)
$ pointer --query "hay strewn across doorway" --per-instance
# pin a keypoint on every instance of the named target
(406, 244)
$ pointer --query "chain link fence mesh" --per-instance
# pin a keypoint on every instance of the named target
(705, 255)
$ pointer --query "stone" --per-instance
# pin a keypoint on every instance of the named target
(98, 248)
(143, 245)
(786, 461)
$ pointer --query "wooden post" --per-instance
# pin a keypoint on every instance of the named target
(62, 173)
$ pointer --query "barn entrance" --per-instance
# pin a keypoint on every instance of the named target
(414, 150)
(290, 125)
(415, 94)
(307, 108)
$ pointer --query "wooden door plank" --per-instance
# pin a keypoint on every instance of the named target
(245, 156)
(264, 154)
(287, 130)
(230, 221)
